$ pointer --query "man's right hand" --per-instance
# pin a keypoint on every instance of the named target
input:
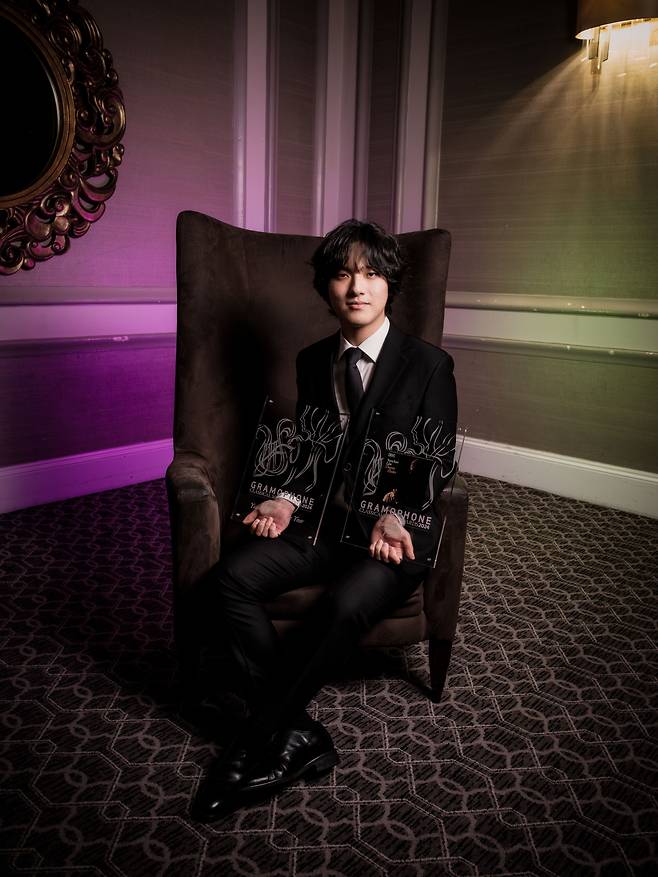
(390, 542)
(269, 518)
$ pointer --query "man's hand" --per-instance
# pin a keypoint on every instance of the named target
(270, 518)
(390, 542)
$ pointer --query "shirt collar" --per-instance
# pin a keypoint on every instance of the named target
(372, 346)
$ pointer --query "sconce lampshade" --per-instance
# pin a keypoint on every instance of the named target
(597, 13)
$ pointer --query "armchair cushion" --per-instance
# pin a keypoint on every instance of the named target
(293, 605)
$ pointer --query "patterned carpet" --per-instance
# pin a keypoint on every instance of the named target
(541, 758)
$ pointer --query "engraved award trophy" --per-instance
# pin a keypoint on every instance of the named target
(408, 471)
(294, 454)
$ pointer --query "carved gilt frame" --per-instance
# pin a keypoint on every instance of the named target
(39, 221)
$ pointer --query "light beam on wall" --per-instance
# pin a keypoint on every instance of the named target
(618, 26)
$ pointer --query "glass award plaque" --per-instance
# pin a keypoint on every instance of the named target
(405, 471)
(294, 452)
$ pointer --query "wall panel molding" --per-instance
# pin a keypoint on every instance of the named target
(320, 128)
(239, 111)
(93, 320)
(253, 108)
(272, 115)
(564, 329)
(507, 346)
(83, 295)
(293, 37)
(412, 115)
(59, 346)
(363, 108)
(335, 113)
(641, 308)
(435, 114)
(373, 154)
(385, 75)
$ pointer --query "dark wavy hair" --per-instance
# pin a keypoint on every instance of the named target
(381, 251)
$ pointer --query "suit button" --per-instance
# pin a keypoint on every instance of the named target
(347, 467)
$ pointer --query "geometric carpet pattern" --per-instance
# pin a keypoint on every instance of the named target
(541, 759)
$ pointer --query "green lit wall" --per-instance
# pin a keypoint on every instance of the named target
(549, 174)
(549, 185)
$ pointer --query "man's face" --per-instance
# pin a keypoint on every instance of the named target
(358, 295)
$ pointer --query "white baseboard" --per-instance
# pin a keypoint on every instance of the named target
(628, 489)
(60, 478)
(31, 484)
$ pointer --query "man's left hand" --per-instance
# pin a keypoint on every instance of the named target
(390, 542)
(270, 518)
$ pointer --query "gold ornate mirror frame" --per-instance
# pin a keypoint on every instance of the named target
(39, 219)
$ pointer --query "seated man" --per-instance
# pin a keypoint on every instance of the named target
(368, 364)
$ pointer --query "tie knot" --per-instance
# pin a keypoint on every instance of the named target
(352, 356)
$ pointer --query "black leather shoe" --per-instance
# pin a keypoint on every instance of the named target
(293, 754)
(218, 794)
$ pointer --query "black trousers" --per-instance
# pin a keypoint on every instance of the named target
(281, 680)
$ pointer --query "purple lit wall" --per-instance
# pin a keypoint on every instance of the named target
(87, 345)
(175, 65)
(87, 351)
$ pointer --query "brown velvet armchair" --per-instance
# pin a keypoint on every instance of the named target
(246, 306)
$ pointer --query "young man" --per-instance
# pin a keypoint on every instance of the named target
(369, 364)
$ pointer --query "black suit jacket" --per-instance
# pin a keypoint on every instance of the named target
(411, 378)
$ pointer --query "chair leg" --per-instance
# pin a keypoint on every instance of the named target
(439, 659)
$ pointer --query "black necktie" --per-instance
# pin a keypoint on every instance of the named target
(353, 384)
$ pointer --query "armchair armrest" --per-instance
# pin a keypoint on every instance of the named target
(195, 520)
(442, 589)
(189, 478)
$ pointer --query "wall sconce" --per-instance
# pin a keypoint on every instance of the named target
(598, 18)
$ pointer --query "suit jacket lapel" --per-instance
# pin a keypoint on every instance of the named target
(390, 364)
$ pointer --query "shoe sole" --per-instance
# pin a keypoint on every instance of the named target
(319, 766)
